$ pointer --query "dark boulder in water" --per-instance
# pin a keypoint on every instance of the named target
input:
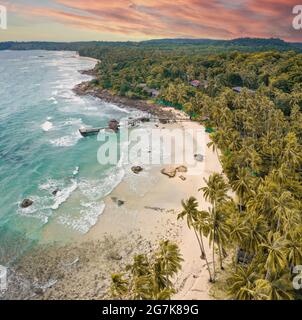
(26, 203)
(137, 169)
(55, 192)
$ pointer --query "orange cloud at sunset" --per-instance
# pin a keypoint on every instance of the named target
(145, 19)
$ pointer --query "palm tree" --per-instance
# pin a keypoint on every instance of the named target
(198, 221)
(242, 283)
(190, 210)
(216, 139)
(242, 185)
(294, 246)
(218, 233)
(292, 151)
(285, 214)
(215, 190)
(169, 258)
(149, 278)
(119, 286)
(277, 289)
(276, 248)
(256, 230)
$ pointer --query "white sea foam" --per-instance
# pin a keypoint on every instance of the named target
(98, 189)
(40, 209)
(88, 217)
(67, 141)
(76, 171)
(51, 185)
(46, 126)
(64, 194)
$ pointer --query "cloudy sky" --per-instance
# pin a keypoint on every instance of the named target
(70, 20)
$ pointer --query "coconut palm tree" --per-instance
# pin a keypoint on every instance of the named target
(198, 221)
(285, 212)
(169, 258)
(276, 247)
(242, 283)
(256, 229)
(215, 190)
(191, 212)
(294, 246)
(277, 289)
(242, 186)
(119, 286)
(218, 233)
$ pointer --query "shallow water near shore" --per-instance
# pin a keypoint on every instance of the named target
(42, 151)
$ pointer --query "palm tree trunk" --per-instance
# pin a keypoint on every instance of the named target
(207, 262)
(200, 245)
(213, 256)
(218, 157)
(220, 256)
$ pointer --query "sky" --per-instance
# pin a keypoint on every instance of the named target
(135, 20)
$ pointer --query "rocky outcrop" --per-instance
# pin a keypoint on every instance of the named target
(172, 171)
(26, 203)
(169, 171)
(182, 169)
(55, 192)
(113, 125)
(137, 169)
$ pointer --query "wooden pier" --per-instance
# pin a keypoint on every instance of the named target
(90, 132)
(114, 124)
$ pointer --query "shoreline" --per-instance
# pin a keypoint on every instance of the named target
(160, 205)
(82, 268)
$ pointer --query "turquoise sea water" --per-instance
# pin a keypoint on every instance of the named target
(41, 149)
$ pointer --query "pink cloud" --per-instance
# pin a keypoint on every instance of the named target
(177, 18)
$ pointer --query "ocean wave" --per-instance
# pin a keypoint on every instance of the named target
(98, 189)
(40, 209)
(88, 217)
(63, 195)
(67, 141)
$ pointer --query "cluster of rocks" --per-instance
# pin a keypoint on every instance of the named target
(73, 271)
(118, 201)
(26, 203)
(85, 88)
(171, 172)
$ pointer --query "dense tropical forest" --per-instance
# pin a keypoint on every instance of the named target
(249, 97)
